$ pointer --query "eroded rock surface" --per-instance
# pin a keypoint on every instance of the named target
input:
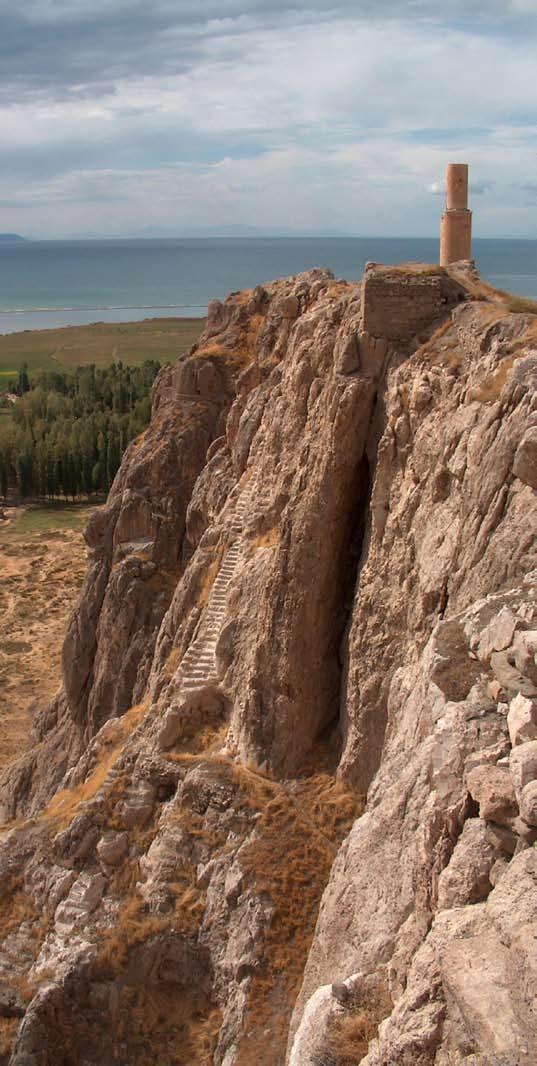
(313, 579)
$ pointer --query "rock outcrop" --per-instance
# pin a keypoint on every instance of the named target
(284, 808)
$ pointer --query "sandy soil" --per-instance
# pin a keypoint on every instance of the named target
(40, 576)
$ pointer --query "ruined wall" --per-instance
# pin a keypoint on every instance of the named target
(399, 303)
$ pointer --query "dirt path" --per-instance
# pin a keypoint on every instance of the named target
(40, 576)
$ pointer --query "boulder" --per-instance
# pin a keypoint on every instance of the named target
(523, 765)
(511, 679)
(112, 848)
(492, 788)
(525, 461)
(290, 307)
(525, 653)
(498, 634)
(467, 877)
(522, 720)
(528, 803)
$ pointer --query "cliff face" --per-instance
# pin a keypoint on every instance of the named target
(310, 582)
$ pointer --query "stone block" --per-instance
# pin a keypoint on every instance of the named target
(346, 355)
(492, 788)
(525, 653)
(528, 804)
(511, 679)
(525, 461)
(523, 765)
(290, 307)
(112, 848)
(466, 879)
(522, 720)
(498, 634)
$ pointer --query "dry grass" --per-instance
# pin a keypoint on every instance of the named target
(342, 288)
(490, 389)
(42, 563)
(289, 860)
(241, 355)
(8, 1032)
(508, 301)
(527, 339)
(416, 269)
(65, 804)
(135, 924)
(16, 906)
(199, 740)
(163, 581)
(167, 1025)
(266, 540)
(351, 1033)
(208, 579)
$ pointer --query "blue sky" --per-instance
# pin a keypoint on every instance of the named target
(120, 117)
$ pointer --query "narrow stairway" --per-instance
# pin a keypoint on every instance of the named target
(198, 667)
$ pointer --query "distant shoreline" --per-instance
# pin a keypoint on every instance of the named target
(32, 320)
(109, 307)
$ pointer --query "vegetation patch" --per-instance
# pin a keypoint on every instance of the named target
(266, 540)
(167, 1025)
(8, 1032)
(42, 562)
(298, 831)
(68, 430)
(490, 389)
(65, 804)
(352, 1031)
(101, 343)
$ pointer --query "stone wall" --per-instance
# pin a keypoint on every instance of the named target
(398, 303)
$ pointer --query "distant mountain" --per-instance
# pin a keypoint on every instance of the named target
(10, 238)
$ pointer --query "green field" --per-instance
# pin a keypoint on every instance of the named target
(101, 343)
(46, 520)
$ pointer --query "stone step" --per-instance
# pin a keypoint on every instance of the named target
(191, 686)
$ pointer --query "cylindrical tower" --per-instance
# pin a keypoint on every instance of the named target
(456, 224)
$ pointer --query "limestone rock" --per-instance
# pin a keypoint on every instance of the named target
(525, 461)
(112, 848)
(11, 1003)
(525, 653)
(312, 581)
(466, 879)
(492, 788)
(523, 765)
(522, 720)
(83, 898)
(290, 307)
(528, 803)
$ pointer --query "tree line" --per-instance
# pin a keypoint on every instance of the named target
(67, 430)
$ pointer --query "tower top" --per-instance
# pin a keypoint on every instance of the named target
(457, 186)
(456, 224)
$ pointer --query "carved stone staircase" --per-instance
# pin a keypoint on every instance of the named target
(198, 667)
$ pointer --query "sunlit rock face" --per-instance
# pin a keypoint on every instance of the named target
(287, 794)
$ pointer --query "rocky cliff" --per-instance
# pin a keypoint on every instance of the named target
(283, 809)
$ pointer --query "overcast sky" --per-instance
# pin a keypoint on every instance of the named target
(122, 117)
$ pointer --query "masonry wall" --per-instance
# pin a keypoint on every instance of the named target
(399, 303)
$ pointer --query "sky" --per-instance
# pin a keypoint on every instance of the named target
(197, 117)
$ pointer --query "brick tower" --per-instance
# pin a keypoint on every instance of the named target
(456, 224)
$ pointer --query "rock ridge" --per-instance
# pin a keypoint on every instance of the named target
(283, 809)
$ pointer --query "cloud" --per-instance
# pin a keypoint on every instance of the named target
(256, 108)
(475, 188)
